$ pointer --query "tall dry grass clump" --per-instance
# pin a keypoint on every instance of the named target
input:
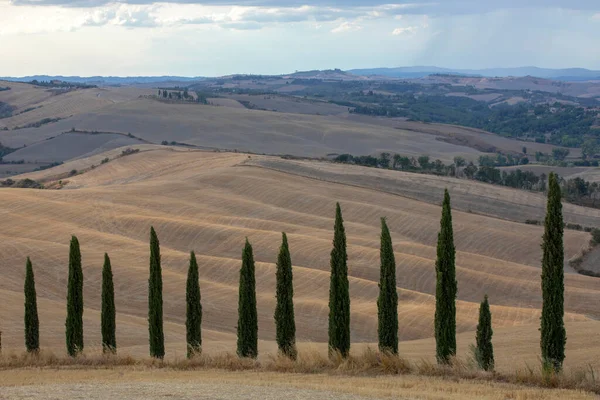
(369, 362)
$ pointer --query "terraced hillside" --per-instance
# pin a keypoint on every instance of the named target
(209, 202)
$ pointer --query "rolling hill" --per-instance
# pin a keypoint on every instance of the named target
(210, 202)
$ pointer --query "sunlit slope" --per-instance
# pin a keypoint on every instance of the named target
(210, 202)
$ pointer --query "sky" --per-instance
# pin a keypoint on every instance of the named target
(221, 37)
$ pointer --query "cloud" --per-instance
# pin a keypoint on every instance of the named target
(346, 27)
(437, 7)
(402, 31)
(242, 26)
(239, 18)
(123, 15)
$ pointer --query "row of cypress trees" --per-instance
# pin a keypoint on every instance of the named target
(553, 337)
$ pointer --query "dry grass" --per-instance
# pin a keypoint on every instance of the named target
(369, 364)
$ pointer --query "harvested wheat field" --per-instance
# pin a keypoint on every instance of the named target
(210, 202)
(34, 103)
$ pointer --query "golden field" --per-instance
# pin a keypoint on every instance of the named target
(210, 202)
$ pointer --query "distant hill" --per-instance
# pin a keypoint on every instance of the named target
(105, 80)
(568, 74)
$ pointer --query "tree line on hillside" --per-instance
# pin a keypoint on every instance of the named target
(576, 190)
(62, 84)
(553, 336)
(182, 95)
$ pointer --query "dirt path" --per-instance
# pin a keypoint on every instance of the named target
(162, 390)
(133, 383)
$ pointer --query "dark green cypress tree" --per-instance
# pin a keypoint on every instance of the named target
(193, 321)
(485, 349)
(387, 303)
(339, 295)
(284, 311)
(446, 287)
(247, 328)
(108, 313)
(155, 301)
(74, 323)
(553, 334)
(32, 323)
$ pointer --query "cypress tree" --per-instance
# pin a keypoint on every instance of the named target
(339, 295)
(108, 314)
(155, 301)
(32, 323)
(446, 287)
(387, 303)
(74, 323)
(485, 349)
(247, 328)
(284, 311)
(193, 322)
(553, 334)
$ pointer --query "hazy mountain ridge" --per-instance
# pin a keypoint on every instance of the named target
(566, 74)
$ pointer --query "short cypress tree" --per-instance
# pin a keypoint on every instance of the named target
(485, 349)
(339, 295)
(155, 301)
(247, 328)
(193, 321)
(108, 313)
(446, 287)
(387, 303)
(74, 323)
(32, 323)
(553, 334)
(284, 311)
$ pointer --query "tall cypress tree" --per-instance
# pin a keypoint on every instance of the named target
(108, 314)
(155, 301)
(247, 328)
(485, 349)
(32, 323)
(339, 295)
(284, 311)
(387, 303)
(446, 287)
(74, 323)
(553, 334)
(193, 321)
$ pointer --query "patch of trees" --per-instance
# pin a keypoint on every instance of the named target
(181, 95)
(6, 110)
(563, 124)
(61, 84)
(5, 150)
(23, 183)
(48, 166)
(128, 151)
(39, 123)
